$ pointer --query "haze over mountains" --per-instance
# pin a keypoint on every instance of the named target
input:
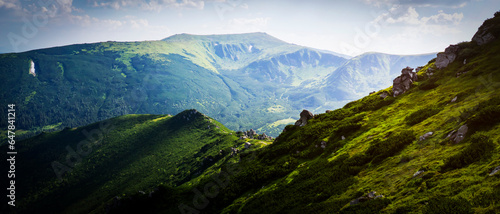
(245, 81)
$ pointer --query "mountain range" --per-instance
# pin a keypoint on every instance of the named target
(246, 81)
(427, 144)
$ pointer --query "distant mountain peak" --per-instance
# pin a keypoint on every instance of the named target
(241, 37)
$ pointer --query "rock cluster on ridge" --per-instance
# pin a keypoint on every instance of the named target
(402, 83)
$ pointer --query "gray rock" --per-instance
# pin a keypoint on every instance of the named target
(461, 132)
(305, 115)
(448, 56)
(452, 134)
(497, 169)
(247, 145)
(343, 138)
(323, 144)
(384, 94)
(418, 173)
(328, 111)
(454, 99)
(483, 36)
(426, 135)
(402, 83)
(371, 194)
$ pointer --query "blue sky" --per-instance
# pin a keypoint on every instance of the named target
(347, 27)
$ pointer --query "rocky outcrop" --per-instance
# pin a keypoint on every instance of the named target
(448, 56)
(305, 116)
(263, 136)
(403, 83)
(483, 35)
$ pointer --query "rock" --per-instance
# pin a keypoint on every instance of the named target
(483, 35)
(305, 115)
(384, 94)
(323, 144)
(328, 111)
(343, 138)
(425, 136)
(403, 83)
(451, 135)
(460, 135)
(454, 99)
(448, 56)
(234, 151)
(243, 137)
(497, 169)
(247, 145)
(373, 92)
(371, 194)
(142, 192)
(418, 173)
(418, 68)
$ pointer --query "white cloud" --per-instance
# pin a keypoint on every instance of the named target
(444, 18)
(10, 4)
(419, 3)
(409, 16)
(152, 5)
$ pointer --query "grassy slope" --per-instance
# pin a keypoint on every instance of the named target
(381, 153)
(138, 153)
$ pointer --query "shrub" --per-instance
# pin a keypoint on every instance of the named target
(448, 205)
(486, 117)
(428, 85)
(421, 114)
(480, 147)
(380, 150)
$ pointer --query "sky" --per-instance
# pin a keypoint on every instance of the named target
(347, 27)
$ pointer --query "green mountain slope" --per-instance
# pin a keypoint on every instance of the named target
(81, 168)
(412, 150)
(243, 80)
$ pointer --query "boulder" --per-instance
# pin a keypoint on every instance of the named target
(460, 135)
(483, 35)
(454, 99)
(418, 173)
(448, 56)
(247, 145)
(425, 136)
(305, 115)
(328, 111)
(497, 169)
(403, 82)
(384, 94)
